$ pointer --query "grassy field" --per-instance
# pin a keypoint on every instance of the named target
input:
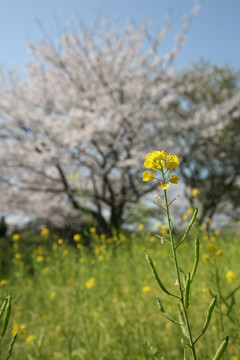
(73, 302)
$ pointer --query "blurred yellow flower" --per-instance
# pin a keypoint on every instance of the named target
(76, 237)
(39, 258)
(230, 276)
(16, 237)
(17, 256)
(93, 230)
(234, 357)
(164, 186)
(3, 282)
(45, 232)
(146, 289)
(195, 192)
(52, 295)
(20, 329)
(90, 283)
(185, 217)
(140, 226)
(174, 179)
(148, 176)
(29, 339)
(60, 241)
(190, 211)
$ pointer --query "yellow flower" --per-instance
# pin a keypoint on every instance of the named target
(140, 227)
(52, 294)
(40, 258)
(76, 237)
(195, 192)
(3, 282)
(172, 161)
(90, 283)
(29, 339)
(174, 179)
(164, 186)
(60, 241)
(93, 230)
(148, 176)
(45, 232)
(185, 217)
(16, 237)
(155, 160)
(190, 211)
(146, 289)
(234, 357)
(20, 329)
(17, 256)
(230, 276)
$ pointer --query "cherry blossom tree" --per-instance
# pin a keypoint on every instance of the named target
(208, 137)
(75, 131)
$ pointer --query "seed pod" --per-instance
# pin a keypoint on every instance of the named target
(209, 314)
(189, 227)
(182, 322)
(187, 292)
(155, 351)
(221, 349)
(6, 315)
(3, 307)
(195, 265)
(149, 260)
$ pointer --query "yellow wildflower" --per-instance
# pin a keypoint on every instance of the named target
(185, 217)
(45, 232)
(190, 211)
(39, 259)
(148, 176)
(195, 192)
(20, 329)
(164, 186)
(3, 282)
(52, 295)
(90, 283)
(93, 230)
(29, 339)
(172, 162)
(230, 276)
(146, 289)
(140, 227)
(76, 237)
(174, 179)
(60, 241)
(16, 237)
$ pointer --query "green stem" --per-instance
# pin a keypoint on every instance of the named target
(178, 276)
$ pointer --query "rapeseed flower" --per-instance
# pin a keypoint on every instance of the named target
(230, 276)
(16, 237)
(90, 283)
(146, 289)
(160, 160)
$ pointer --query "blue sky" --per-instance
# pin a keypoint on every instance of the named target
(214, 34)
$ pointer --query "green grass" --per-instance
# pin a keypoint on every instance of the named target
(113, 319)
